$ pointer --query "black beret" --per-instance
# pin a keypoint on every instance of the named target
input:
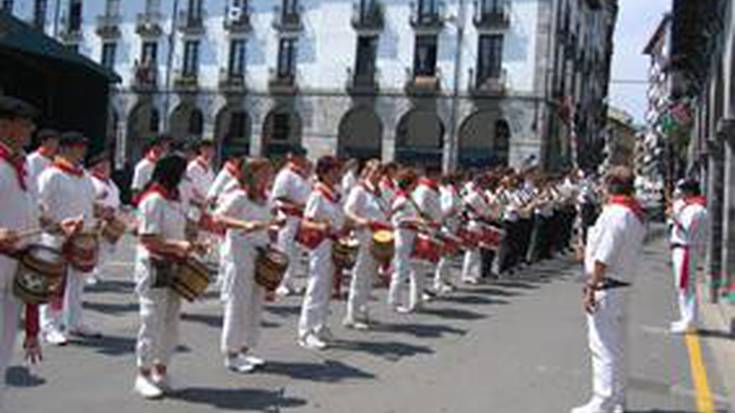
(98, 158)
(12, 108)
(45, 134)
(235, 152)
(73, 138)
(688, 185)
(297, 150)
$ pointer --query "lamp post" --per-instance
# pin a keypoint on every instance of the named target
(450, 160)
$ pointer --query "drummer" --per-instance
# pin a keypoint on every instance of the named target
(199, 172)
(388, 183)
(17, 213)
(451, 204)
(245, 213)
(107, 201)
(428, 199)
(228, 177)
(43, 156)
(161, 241)
(405, 219)
(350, 174)
(66, 192)
(290, 192)
(324, 219)
(366, 210)
(154, 150)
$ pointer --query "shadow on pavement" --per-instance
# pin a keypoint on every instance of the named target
(108, 345)
(453, 313)
(389, 350)
(20, 376)
(495, 291)
(239, 399)
(470, 300)
(716, 334)
(206, 319)
(111, 286)
(331, 371)
(659, 411)
(420, 330)
(111, 308)
(513, 284)
(284, 310)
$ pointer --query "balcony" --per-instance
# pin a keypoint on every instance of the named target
(427, 16)
(491, 86)
(108, 26)
(237, 20)
(232, 83)
(149, 24)
(287, 21)
(491, 16)
(70, 31)
(146, 78)
(422, 85)
(186, 82)
(281, 83)
(191, 23)
(362, 83)
(595, 4)
(367, 16)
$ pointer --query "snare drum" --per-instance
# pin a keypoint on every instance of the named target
(491, 237)
(82, 250)
(270, 266)
(344, 252)
(41, 272)
(113, 230)
(191, 278)
(383, 245)
(426, 248)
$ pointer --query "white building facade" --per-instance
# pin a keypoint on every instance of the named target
(452, 83)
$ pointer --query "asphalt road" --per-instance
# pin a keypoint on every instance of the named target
(511, 346)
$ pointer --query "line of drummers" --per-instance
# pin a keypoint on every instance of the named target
(368, 223)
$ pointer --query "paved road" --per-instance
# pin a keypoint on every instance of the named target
(512, 346)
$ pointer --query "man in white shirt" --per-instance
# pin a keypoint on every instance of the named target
(107, 200)
(611, 260)
(290, 191)
(41, 158)
(688, 239)
(154, 150)
(200, 173)
(228, 177)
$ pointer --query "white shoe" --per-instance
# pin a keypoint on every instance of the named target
(255, 361)
(85, 331)
(163, 382)
(55, 337)
(471, 281)
(443, 289)
(146, 388)
(326, 334)
(92, 280)
(356, 325)
(401, 309)
(312, 342)
(593, 406)
(284, 291)
(679, 327)
(239, 364)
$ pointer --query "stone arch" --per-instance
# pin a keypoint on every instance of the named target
(484, 140)
(186, 121)
(360, 134)
(420, 138)
(232, 131)
(282, 130)
(142, 117)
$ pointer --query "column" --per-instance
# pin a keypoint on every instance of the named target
(722, 207)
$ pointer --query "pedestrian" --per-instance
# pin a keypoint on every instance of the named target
(245, 213)
(688, 241)
(611, 260)
(161, 241)
(323, 222)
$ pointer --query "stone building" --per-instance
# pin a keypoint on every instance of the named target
(443, 83)
(620, 144)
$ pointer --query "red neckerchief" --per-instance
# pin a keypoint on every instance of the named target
(156, 188)
(101, 177)
(401, 193)
(388, 183)
(65, 166)
(17, 161)
(429, 183)
(696, 200)
(328, 192)
(296, 169)
(45, 152)
(203, 163)
(629, 202)
(232, 169)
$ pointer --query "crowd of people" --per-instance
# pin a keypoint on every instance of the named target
(368, 222)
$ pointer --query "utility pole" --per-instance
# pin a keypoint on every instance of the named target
(450, 162)
(169, 64)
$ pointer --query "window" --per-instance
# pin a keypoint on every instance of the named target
(152, 6)
(196, 122)
(7, 5)
(39, 13)
(75, 16)
(108, 55)
(287, 57)
(367, 47)
(191, 57)
(195, 10)
(281, 126)
(112, 7)
(489, 57)
(424, 63)
(427, 10)
(290, 7)
(149, 53)
(154, 121)
(491, 6)
(237, 58)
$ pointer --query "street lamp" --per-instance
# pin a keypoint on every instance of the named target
(452, 152)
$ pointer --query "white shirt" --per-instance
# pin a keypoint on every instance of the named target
(106, 192)
(427, 199)
(291, 186)
(236, 204)
(388, 191)
(403, 210)
(366, 204)
(223, 183)
(142, 174)
(320, 208)
(478, 206)
(690, 226)
(349, 180)
(615, 240)
(63, 195)
(36, 163)
(17, 212)
(201, 177)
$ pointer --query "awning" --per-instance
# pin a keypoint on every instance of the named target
(18, 36)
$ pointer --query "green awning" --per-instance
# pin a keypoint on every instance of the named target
(17, 35)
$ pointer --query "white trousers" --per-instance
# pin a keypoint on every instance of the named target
(159, 327)
(106, 252)
(607, 336)
(405, 270)
(288, 245)
(687, 298)
(71, 313)
(361, 283)
(243, 311)
(442, 273)
(315, 307)
(472, 264)
(10, 307)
